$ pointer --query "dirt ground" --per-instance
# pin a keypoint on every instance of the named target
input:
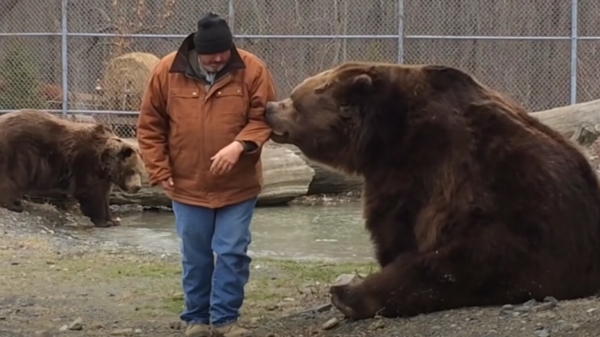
(54, 281)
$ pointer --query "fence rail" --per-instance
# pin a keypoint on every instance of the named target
(58, 55)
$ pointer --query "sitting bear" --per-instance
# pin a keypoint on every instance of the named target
(468, 199)
(43, 154)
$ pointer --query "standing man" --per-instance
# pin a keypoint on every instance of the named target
(201, 132)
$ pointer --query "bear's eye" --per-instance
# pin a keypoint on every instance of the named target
(346, 111)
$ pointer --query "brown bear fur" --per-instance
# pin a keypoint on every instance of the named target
(469, 200)
(43, 154)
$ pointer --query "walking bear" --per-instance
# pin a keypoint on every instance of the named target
(43, 154)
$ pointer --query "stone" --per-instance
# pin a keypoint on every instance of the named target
(76, 324)
(122, 332)
(330, 324)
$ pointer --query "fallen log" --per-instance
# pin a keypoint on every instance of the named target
(285, 177)
(288, 174)
(580, 122)
(327, 180)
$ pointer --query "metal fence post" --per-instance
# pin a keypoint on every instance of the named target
(400, 31)
(573, 84)
(231, 16)
(65, 59)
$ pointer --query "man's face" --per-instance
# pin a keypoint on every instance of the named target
(214, 62)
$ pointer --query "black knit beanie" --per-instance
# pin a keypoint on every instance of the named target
(213, 35)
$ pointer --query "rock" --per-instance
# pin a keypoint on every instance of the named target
(330, 324)
(96, 326)
(542, 332)
(176, 325)
(42, 333)
(76, 324)
(347, 279)
(122, 332)
(378, 325)
(64, 328)
(272, 307)
(545, 306)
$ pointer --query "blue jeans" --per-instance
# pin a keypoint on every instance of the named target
(214, 292)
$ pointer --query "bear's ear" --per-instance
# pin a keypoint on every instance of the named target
(358, 85)
(362, 82)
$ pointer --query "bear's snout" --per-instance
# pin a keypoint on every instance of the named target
(133, 189)
(133, 184)
(270, 108)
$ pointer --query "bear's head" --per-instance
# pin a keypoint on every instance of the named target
(123, 165)
(348, 117)
(325, 115)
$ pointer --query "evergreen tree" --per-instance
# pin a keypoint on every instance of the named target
(19, 81)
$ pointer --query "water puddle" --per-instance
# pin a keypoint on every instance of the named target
(316, 233)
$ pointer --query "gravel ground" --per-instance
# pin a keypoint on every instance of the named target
(56, 281)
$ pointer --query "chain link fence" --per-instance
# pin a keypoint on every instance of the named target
(90, 59)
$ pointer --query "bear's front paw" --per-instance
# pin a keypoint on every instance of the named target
(107, 223)
(348, 302)
(16, 206)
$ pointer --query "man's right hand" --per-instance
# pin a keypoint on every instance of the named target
(167, 183)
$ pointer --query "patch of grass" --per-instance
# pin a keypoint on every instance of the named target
(285, 285)
(155, 285)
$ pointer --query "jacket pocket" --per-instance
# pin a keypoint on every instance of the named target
(231, 105)
(184, 103)
(185, 129)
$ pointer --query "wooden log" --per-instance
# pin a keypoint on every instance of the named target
(580, 122)
(327, 180)
(285, 177)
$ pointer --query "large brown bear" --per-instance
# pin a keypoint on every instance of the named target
(43, 154)
(469, 200)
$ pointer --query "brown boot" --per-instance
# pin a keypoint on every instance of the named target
(232, 330)
(197, 330)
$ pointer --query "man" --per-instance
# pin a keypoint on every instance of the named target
(201, 132)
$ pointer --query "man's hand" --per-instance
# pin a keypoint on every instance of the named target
(226, 158)
(167, 183)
